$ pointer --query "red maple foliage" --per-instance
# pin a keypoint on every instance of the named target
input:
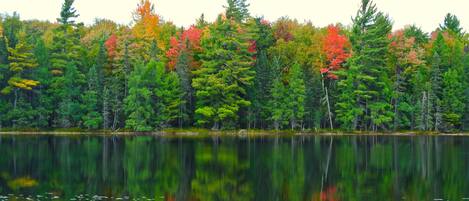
(252, 48)
(336, 48)
(189, 40)
(111, 46)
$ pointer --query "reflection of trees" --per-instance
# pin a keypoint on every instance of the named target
(361, 168)
(220, 174)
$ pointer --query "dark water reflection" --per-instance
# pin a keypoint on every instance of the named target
(263, 169)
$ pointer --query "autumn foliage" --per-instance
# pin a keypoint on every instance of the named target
(147, 21)
(336, 47)
(111, 45)
(188, 40)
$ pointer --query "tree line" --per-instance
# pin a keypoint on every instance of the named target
(238, 71)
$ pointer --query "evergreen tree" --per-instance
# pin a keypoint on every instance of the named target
(224, 76)
(452, 24)
(237, 10)
(67, 13)
(138, 103)
(19, 82)
(366, 92)
(12, 25)
(45, 106)
(436, 92)
(168, 95)
(92, 119)
(184, 73)
(69, 90)
(452, 102)
(65, 60)
(21, 62)
(295, 97)
(259, 92)
(278, 103)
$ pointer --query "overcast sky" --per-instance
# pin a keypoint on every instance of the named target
(427, 14)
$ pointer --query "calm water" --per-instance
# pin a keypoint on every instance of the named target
(263, 169)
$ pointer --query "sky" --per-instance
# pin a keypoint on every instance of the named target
(427, 14)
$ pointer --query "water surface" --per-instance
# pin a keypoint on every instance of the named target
(262, 169)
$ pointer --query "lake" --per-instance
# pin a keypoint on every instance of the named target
(315, 168)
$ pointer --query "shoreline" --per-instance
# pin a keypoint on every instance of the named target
(232, 133)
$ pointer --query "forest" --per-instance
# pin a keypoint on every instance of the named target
(237, 72)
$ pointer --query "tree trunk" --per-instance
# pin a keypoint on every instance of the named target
(328, 103)
(16, 99)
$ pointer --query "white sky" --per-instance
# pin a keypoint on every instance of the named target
(427, 14)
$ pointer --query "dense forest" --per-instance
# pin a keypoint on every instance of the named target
(239, 71)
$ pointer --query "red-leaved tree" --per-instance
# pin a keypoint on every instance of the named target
(111, 46)
(189, 40)
(336, 48)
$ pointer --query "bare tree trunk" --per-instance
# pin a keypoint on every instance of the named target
(16, 99)
(328, 103)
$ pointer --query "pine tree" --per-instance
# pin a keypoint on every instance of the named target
(67, 13)
(45, 106)
(366, 90)
(237, 10)
(184, 73)
(452, 25)
(92, 119)
(167, 94)
(259, 92)
(452, 102)
(69, 90)
(65, 57)
(224, 76)
(295, 96)
(21, 63)
(138, 103)
(278, 103)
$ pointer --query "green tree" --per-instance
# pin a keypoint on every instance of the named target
(436, 92)
(68, 88)
(277, 104)
(365, 100)
(138, 103)
(168, 95)
(185, 75)
(452, 25)
(65, 60)
(92, 119)
(296, 96)
(260, 92)
(452, 102)
(21, 62)
(224, 76)
(237, 10)
(67, 13)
